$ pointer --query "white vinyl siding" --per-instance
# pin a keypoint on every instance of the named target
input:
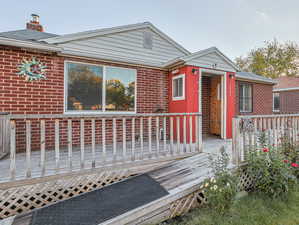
(178, 87)
(276, 102)
(212, 61)
(126, 46)
(245, 98)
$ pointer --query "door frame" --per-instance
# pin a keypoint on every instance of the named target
(223, 96)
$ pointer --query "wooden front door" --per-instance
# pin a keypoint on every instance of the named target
(215, 106)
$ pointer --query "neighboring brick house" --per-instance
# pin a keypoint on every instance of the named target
(126, 70)
(286, 95)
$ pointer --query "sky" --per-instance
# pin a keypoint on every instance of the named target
(233, 26)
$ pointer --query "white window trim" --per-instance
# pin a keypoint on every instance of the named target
(275, 110)
(247, 111)
(183, 91)
(103, 111)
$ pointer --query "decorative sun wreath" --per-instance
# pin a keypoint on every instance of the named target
(32, 70)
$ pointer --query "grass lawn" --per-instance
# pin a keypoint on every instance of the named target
(251, 210)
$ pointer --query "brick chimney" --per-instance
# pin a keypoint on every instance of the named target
(34, 24)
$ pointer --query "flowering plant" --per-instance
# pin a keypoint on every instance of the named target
(221, 189)
(269, 167)
(291, 152)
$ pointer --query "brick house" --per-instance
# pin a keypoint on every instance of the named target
(123, 71)
(286, 95)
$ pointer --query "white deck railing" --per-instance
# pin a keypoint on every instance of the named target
(44, 145)
(247, 130)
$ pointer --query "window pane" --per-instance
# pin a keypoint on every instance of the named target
(276, 101)
(241, 104)
(178, 87)
(245, 98)
(175, 88)
(120, 89)
(84, 91)
(241, 91)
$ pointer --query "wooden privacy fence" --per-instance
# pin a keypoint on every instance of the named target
(43, 145)
(248, 130)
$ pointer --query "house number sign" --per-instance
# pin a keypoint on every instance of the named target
(32, 70)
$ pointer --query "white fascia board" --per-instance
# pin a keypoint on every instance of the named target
(286, 89)
(29, 44)
(208, 51)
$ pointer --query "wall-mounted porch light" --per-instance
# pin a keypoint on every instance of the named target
(194, 71)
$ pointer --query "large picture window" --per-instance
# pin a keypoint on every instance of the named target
(245, 98)
(94, 88)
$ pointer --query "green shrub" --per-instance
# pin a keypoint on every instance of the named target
(270, 169)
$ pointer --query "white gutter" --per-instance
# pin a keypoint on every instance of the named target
(286, 89)
(29, 44)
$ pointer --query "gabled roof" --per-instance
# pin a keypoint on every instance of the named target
(26, 35)
(203, 53)
(287, 83)
(254, 77)
(118, 29)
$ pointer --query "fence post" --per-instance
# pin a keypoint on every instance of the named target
(199, 131)
(236, 153)
(4, 134)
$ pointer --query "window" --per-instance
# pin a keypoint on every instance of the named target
(276, 102)
(94, 88)
(178, 87)
(245, 98)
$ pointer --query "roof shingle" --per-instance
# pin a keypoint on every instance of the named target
(27, 35)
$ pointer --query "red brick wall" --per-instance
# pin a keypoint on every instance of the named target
(18, 96)
(289, 102)
(261, 101)
(206, 90)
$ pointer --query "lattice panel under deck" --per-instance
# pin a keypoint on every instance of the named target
(183, 205)
(246, 182)
(22, 199)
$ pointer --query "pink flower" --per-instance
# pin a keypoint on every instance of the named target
(295, 165)
(265, 149)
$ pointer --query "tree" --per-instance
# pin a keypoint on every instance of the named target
(84, 88)
(273, 60)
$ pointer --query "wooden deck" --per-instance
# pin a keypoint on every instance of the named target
(139, 155)
(211, 144)
(182, 179)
